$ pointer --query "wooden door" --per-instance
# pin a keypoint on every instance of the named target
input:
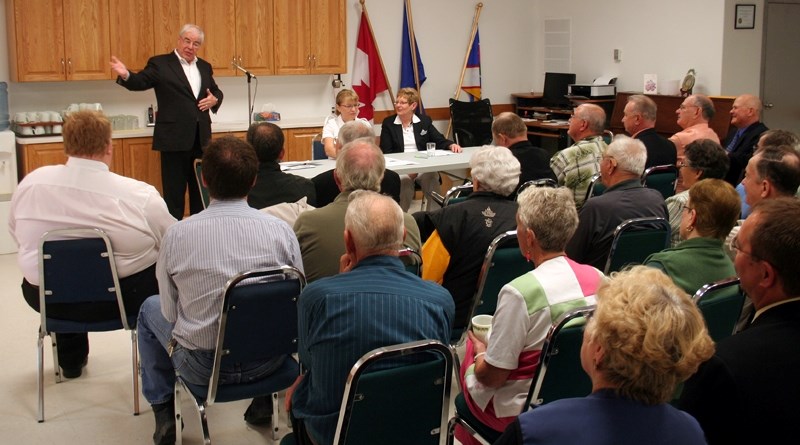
(217, 18)
(37, 27)
(780, 95)
(142, 162)
(132, 32)
(254, 40)
(328, 34)
(298, 143)
(292, 48)
(169, 16)
(87, 43)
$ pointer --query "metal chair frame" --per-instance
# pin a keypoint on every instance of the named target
(631, 227)
(659, 170)
(700, 299)
(455, 192)
(205, 198)
(596, 187)
(544, 182)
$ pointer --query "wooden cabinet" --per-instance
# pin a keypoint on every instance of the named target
(32, 156)
(310, 37)
(297, 145)
(141, 161)
(58, 40)
(132, 33)
(169, 16)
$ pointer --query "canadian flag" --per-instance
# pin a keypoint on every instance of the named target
(369, 79)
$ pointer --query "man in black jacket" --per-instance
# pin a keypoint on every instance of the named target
(639, 119)
(509, 130)
(746, 129)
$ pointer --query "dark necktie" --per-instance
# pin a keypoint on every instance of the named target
(735, 139)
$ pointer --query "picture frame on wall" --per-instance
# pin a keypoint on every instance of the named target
(745, 16)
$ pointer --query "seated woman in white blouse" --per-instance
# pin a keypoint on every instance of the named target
(346, 111)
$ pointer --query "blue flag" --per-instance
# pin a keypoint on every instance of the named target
(406, 64)
(472, 74)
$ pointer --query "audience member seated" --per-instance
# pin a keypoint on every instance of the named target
(373, 302)
(746, 129)
(406, 131)
(639, 120)
(574, 166)
(645, 337)
(178, 328)
(325, 185)
(272, 185)
(459, 234)
(694, 114)
(748, 391)
(359, 166)
(621, 168)
(346, 111)
(703, 159)
(708, 216)
(773, 138)
(497, 375)
(84, 193)
(509, 130)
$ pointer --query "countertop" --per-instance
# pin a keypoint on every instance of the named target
(216, 127)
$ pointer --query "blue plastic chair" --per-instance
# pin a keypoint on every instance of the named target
(258, 322)
(76, 266)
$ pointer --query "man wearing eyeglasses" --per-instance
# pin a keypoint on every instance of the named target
(748, 391)
(694, 114)
(746, 129)
(185, 92)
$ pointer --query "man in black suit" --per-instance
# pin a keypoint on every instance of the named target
(509, 130)
(185, 92)
(639, 118)
(746, 129)
(748, 391)
(324, 183)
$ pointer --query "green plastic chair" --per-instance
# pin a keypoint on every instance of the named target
(721, 304)
(663, 178)
(596, 187)
(635, 239)
(198, 174)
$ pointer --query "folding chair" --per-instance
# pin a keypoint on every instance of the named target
(76, 266)
(456, 194)
(596, 187)
(317, 148)
(559, 374)
(663, 178)
(721, 304)
(412, 260)
(472, 122)
(544, 182)
(198, 174)
(258, 321)
(635, 239)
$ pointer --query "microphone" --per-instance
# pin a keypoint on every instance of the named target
(241, 68)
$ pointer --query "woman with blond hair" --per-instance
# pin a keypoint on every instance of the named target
(346, 111)
(645, 337)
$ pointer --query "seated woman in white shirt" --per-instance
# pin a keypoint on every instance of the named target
(346, 111)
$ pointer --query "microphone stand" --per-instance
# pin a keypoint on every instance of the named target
(250, 78)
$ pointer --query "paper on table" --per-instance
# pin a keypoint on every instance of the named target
(603, 80)
(443, 153)
(392, 162)
(297, 165)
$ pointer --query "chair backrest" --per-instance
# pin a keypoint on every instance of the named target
(318, 148)
(411, 259)
(258, 320)
(76, 265)
(544, 182)
(407, 403)
(457, 194)
(472, 122)
(198, 174)
(635, 239)
(721, 304)
(663, 178)
(559, 374)
(608, 136)
(596, 187)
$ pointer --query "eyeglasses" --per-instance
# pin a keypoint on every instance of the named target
(399, 102)
(687, 208)
(351, 106)
(194, 44)
(735, 246)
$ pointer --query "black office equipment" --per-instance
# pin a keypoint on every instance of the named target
(556, 86)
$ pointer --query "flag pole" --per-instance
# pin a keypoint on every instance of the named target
(466, 60)
(412, 43)
(377, 50)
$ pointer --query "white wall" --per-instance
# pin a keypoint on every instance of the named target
(665, 38)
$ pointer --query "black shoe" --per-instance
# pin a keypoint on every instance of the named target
(165, 423)
(74, 373)
(260, 411)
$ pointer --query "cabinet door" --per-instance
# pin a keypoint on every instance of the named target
(328, 32)
(292, 53)
(254, 41)
(86, 39)
(38, 31)
(169, 16)
(298, 143)
(132, 34)
(217, 18)
(142, 162)
(39, 155)
(117, 159)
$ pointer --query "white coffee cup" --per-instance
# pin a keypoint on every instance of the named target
(73, 107)
(481, 327)
(55, 116)
(33, 116)
(56, 129)
(21, 117)
(26, 130)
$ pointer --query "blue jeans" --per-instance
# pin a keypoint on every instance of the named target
(194, 366)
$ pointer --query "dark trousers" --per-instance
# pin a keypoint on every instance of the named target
(177, 172)
(74, 348)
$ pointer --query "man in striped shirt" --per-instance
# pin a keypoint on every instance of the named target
(178, 328)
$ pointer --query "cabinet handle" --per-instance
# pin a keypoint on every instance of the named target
(63, 66)
(314, 61)
(240, 61)
(69, 66)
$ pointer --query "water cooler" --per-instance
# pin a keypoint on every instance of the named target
(8, 183)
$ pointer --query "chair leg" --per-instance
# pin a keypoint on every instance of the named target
(56, 367)
(135, 358)
(178, 421)
(201, 410)
(40, 354)
(274, 425)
